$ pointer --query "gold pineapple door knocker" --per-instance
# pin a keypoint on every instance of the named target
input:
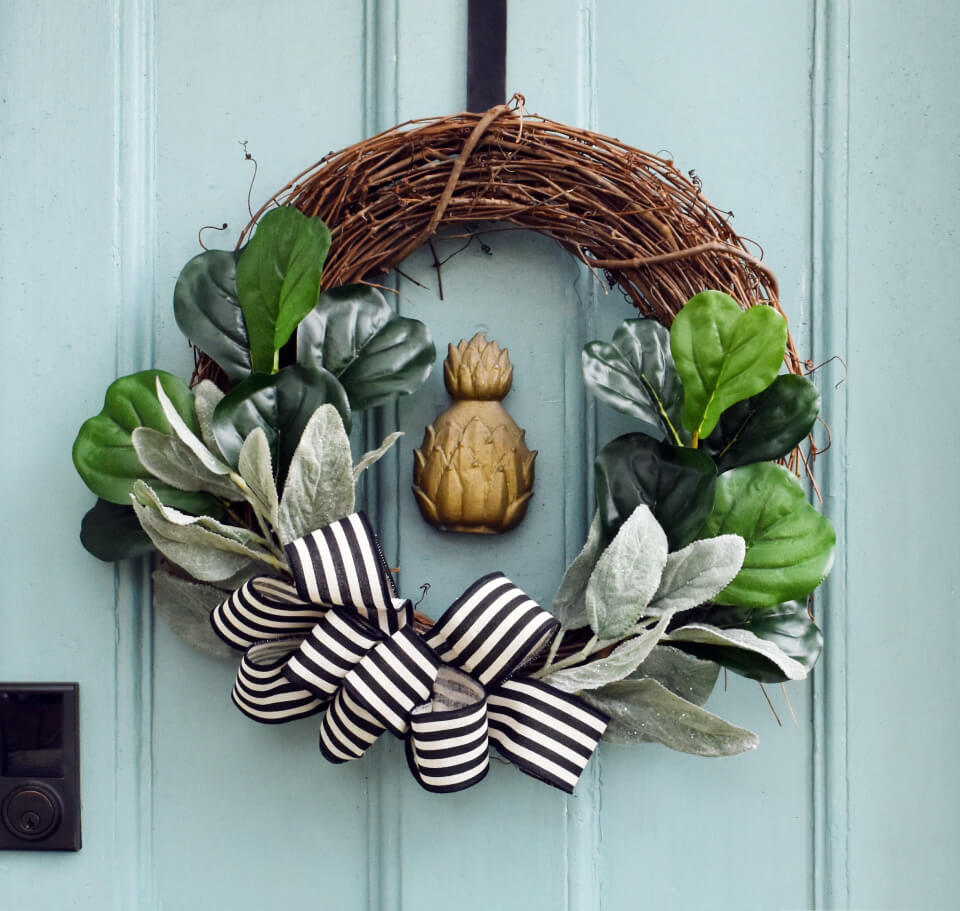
(473, 471)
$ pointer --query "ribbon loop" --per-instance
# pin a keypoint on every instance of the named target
(261, 690)
(263, 608)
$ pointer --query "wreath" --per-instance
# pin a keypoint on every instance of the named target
(704, 551)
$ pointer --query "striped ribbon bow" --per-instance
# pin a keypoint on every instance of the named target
(340, 640)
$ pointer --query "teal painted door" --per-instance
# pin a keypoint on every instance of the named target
(830, 128)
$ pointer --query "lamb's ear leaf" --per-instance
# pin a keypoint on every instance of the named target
(186, 607)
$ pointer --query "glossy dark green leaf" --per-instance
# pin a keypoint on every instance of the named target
(278, 279)
(723, 355)
(208, 312)
(376, 355)
(635, 374)
(765, 426)
(789, 544)
(787, 626)
(112, 532)
(282, 404)
(103, 452)
(676, 483)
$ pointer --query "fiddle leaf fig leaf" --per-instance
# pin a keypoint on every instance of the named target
(174, 463)
(626, 576)
(281, 404)
(111, 532)
(635, 374)
(103, 452)
(723, 355)
(643, 711)
(789, 544)
(767, 426)
(208, 312)
(697, 573)
(186, 607)
(319, 487)
(620, 663)
(374, 456)
(207, 549)
(206, 397)
(256, 470)
(569, 604)
(742, 640)
(788, 626)
(376, 355)
(278, 280)
(676, 483)
(689, 677)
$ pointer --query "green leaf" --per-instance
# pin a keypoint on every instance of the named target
(111, 532)
(103, 452)
(789, 544)
(689, 677)
(626, 575)
(635, 374)
(620, 663)
(205, 548)
(319, 488)
(281, 404)
(208, 312)
(765, 426)
(375, 455)
(569, 604)
(697, 573)
(712, 640)
(644, 710)
(376, 355)
(278, 279)
(723, 355)
(787, 626)
(676, 483)
(206, 396)
(256, 470)
(186, 607)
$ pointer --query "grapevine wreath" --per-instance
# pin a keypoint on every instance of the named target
(703, 553)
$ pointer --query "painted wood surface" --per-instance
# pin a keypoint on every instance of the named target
(831, 130)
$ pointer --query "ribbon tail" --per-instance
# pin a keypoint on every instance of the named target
(546, 733)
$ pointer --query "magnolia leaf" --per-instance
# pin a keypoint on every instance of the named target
(702, 634)
(278, 279)
(788, 626)
(376, 355)
(204, 547)
(697, 573)
(206, 396)
(626, 576)
(103, 452)
(319, 487)
(111, 532)
(186, 607)
(620, 663)
(635, 374)
(644, 710)
(689, 677)
(789, 544)
(281, 404)
(256, 469)
(569, 604)
(370, 458)
(170, 460)
(723, 355)
(208, 312)
(765, 426)
(675, 482)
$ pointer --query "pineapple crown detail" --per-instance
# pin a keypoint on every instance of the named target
(477, 370)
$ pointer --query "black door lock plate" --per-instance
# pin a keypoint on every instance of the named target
(39, 767)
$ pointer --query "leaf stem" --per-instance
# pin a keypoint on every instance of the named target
(695, 440)
(663, 411)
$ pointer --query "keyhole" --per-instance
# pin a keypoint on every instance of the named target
(30, 821)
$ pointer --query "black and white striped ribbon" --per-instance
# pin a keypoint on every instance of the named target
(341, 639)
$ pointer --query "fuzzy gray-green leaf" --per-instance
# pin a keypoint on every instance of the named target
(319, 486)
(690, 678)
(256, 469)
(695, 574)
(374, 455)
(174, 463)
(741, 639)
(206, 396)
(569, 604)
(186, 607)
